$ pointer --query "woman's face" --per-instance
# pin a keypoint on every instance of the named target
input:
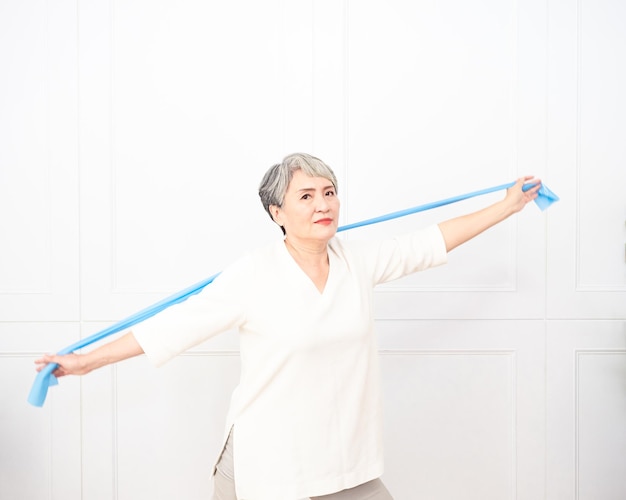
(310, 210)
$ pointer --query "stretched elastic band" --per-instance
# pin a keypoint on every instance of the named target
(45, 379)
(544, 199)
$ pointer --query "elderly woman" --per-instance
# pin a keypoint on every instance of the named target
(305, 419)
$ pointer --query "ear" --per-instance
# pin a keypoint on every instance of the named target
(275, 212)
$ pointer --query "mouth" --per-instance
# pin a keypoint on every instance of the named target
(324, 222)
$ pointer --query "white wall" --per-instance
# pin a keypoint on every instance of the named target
(133, 136)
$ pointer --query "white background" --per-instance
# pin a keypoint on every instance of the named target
(133, 135)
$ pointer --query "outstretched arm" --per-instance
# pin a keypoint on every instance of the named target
(461, 229)
(80, 364)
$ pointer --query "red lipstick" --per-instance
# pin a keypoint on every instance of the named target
(324, 222)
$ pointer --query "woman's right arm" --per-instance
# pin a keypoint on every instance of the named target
(80, 364)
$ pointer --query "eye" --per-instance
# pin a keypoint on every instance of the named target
(305, 196)
(330, 192)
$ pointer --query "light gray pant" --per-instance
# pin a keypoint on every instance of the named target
(224, 483)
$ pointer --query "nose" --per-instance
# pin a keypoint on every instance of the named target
(322, 204)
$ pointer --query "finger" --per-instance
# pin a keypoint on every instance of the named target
(532, 185)
(534, 191)
(43, 359)
(52, 358)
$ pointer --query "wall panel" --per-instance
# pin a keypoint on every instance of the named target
(437, 107)
(39, 447)
(587, 266)
(157, 432)
(182, 122)
(463, 408)
(172, 421)
(586, 407)
(38, 162)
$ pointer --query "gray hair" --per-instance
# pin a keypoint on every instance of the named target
(276, 180)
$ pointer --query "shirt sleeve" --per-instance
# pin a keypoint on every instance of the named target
(217, 308)
(393, 258)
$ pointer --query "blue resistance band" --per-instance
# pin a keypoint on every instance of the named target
(45, 379)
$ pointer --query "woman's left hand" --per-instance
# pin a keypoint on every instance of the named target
(458, 230)
(517, 198)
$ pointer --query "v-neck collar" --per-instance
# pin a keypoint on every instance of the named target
(304, 275)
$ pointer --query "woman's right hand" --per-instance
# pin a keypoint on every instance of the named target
(124, 347)
(69, 364)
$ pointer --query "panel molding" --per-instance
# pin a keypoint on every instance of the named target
(579, 354)
(480, 355)
(581, 287)
(43, 258)
(568, 296)
(570, 343)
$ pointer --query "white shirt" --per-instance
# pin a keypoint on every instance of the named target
(307, 410)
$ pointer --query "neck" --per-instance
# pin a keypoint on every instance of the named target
(313, 254)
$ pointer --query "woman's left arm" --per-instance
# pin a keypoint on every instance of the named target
(461, 229)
